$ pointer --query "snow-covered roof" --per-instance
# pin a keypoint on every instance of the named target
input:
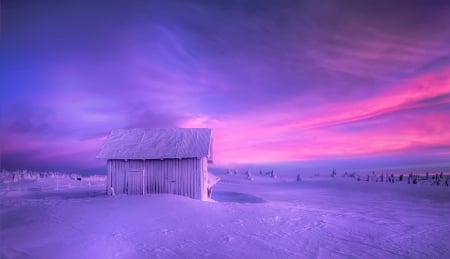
(157, 143)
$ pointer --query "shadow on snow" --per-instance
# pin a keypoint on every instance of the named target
(236, 197)
(61, 195)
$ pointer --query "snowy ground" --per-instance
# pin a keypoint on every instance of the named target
(319, 217)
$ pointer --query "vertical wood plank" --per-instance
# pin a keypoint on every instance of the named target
(196, 179)
(153, 176)
(191, 180)
(161, 176)
(178, 176)
(188, 178)
(158, 176)
(108, 177)
(164, 164)
(169, 173)
(114, 176)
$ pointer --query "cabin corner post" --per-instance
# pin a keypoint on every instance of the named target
(198, 179)
(203, 178)
(108, 178)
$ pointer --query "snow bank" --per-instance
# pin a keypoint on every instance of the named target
(319, 217)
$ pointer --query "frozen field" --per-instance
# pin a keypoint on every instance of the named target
(319, 217)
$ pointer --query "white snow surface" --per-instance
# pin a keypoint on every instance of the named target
(157, 143)
(319, 217)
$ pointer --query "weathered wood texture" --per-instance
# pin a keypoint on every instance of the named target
(187, 176)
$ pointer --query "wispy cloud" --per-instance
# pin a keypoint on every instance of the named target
(276, 80)
(400, 119)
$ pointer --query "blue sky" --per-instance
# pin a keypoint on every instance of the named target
(277, 81)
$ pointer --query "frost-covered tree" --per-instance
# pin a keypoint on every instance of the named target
(249, 175)
(272, 174)
(333, 174)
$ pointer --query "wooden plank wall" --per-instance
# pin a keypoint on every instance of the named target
(185, 177)
(117, 176)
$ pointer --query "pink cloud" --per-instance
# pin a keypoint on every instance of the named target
(285, 132)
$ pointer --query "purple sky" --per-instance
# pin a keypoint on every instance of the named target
(276, 80)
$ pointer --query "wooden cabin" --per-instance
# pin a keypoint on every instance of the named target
(142, 161)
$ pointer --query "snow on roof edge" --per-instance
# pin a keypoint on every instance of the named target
(156, 143)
